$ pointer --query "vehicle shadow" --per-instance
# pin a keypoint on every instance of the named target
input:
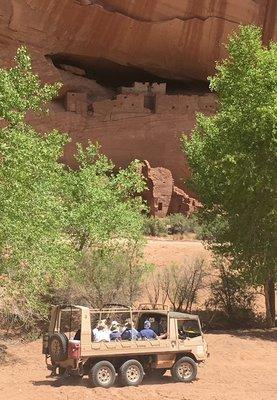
(164, 380)
(84, 382)
(59, 381)
(251, 334)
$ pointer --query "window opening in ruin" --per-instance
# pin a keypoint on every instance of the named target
(160, 206)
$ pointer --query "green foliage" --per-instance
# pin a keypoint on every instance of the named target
(21, 90)
(49, 213)
(102, 205)
(232, 156)
(180, 224)
(32, 215)
(155, 226)
(174, 224)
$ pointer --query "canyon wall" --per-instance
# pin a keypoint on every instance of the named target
(177, 39)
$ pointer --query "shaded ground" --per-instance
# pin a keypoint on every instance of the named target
(243, 365)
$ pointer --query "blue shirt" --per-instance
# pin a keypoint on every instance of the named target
(147, 333)
(129, 334)
(115, 335)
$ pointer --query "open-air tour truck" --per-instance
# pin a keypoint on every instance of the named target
(180, 345)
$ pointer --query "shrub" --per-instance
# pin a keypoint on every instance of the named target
(180, 224)
(155, 226)
(112, 274)
(178, 284)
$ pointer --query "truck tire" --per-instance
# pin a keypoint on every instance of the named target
(131, 373)
(58, 346)
(102, 374)
(184, 370)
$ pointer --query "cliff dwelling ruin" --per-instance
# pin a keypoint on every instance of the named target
(140, 105)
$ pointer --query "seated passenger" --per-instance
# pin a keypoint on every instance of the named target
(129, 333)
(101, 333)
(147, 332)
(115, 334)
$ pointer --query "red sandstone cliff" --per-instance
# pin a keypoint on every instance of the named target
(170, 38)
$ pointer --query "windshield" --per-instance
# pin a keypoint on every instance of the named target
(188, 329)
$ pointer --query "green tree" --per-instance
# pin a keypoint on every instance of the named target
(33, 245)
(232, 156)
(49, 213)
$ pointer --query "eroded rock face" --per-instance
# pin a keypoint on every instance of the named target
(177, 39)
(162, 196)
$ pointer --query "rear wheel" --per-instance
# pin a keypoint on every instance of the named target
(131, 373)
(102, 374)
(184, 370)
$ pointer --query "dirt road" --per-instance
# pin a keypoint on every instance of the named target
(241, 366)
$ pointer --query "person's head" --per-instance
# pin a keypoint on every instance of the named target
(128, 324)
(147, 324)
(101, 325)
(114, 328)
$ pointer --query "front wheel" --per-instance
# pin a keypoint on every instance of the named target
(102, 374)
(184, 370)
(131, 373)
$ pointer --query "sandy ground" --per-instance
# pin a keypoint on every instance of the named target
(163, 252)
(241, 366)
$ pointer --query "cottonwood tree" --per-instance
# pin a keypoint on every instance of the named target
(48, 213)
(232, 156)
(33, 250)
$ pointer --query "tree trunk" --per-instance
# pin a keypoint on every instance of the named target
(269, 290)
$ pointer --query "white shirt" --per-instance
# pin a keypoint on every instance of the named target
(101, 335)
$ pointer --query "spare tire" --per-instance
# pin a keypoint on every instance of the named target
(58, 347)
